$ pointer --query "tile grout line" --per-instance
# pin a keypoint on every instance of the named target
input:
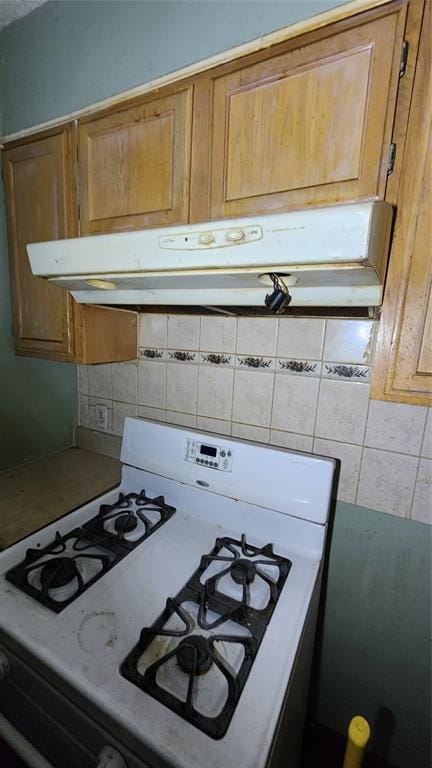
(274, 380)
(314, 435)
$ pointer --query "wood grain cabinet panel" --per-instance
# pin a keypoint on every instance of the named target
(40, 206)
(134, 166)
(403, 365)
(310, 126)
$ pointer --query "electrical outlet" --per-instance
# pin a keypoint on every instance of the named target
(102, 416)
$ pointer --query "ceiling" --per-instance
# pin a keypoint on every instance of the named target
(11, 10)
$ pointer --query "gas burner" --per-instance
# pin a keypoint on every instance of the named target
(130, 519)
(125, 523)
(58, 573)
(199, 675)
(243, 571)
(242, 574)
(193, 655)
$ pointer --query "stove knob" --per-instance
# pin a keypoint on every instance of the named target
(109, 757)
(207, 238)
(234, 235)
(4, 666)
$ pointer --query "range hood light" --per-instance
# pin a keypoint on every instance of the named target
(104, 285)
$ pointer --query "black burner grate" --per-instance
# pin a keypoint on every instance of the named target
(196, 653)
(55, 575)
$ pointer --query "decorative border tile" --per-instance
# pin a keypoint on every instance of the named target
(298, 367)
(255, 363)
(214, 358)
(182, 356)
(151, 354)
(342, 371)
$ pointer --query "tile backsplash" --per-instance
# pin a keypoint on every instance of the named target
(292, 382)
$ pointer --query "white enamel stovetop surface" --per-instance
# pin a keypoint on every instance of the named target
(87, 642)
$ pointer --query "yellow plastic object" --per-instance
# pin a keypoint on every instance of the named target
(358, 737)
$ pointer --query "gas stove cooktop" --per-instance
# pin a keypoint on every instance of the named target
(63, 569)
(173, 618)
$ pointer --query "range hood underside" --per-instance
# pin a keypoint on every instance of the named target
(350, 285)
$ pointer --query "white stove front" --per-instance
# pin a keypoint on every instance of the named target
(85, 645)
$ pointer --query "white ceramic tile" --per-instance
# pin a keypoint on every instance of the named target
(152, 384)
(152, 353)
(215, 392)
(182, 387)
(252, 363)
(223, 359)
(395, 426)
(348, 341)
(387, 481)
(218, 334)
(125, 382)
(342, 411)
(350, 457)
(422, 503)
(426, 450)
(345, 372)
(100, 381)
(247, 432)
(145, 412)
(217, 426)
(298, 367)
(253, 392)
(291, 440)
(182, 356)
(120, 411)
(300, 338)
(83, 381)
(83, 410)
(183, 331)
(295, 402)
(181, 419)
(256, 336)
(153, 329)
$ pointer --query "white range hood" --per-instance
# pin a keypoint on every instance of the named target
(334, 256)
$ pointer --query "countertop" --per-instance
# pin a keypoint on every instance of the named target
(40, 491)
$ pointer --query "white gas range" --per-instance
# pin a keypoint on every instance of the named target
(170, 622)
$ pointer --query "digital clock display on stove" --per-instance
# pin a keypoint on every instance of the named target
(208, 450)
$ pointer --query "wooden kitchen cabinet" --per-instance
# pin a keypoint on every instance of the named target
(134, 165)
(39, 176)
(403, 361)
(309, 126)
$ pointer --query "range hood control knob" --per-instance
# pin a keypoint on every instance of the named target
(207, 238)
(234, 235)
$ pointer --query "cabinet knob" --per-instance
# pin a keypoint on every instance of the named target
(234, 235)
(206, 238)
(4, 666)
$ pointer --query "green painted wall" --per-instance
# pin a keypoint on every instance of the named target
(375, 656)
(64, 56)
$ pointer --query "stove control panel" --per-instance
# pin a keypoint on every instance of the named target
(208, 455)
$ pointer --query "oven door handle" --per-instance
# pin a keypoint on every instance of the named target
(21, 746)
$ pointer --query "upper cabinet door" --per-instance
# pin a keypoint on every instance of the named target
(41, 205)
(309, 126)
(403, 358)
(134, 166)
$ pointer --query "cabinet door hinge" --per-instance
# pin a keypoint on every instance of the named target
(391, 159)
(403, 58)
